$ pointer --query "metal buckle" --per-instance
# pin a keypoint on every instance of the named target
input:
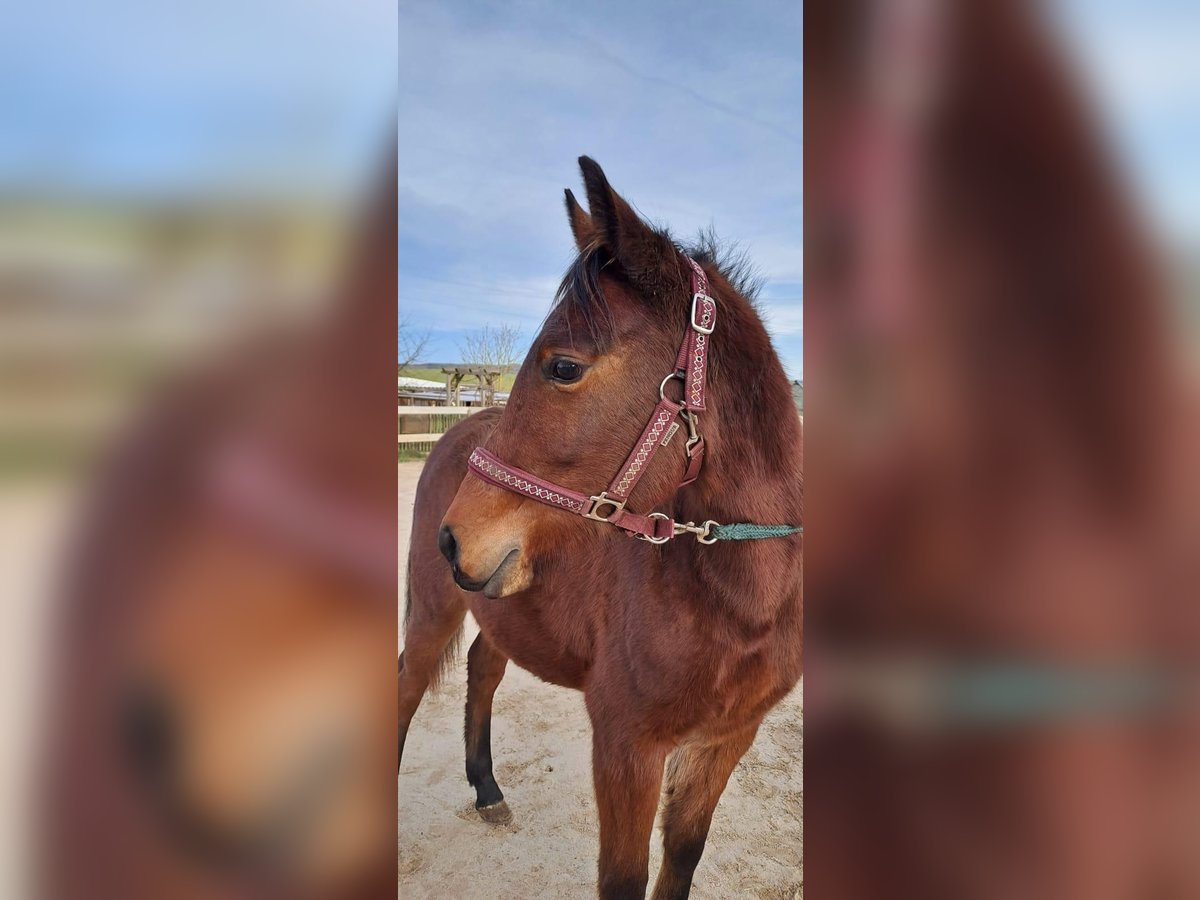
(662, 540)
(602, 499)
(696, 326)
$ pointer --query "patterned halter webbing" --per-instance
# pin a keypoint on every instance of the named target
(691, 369)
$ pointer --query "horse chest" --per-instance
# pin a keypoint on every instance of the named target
(534, 640)
(694, 675)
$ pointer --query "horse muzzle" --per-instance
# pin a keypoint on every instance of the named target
(493, 568)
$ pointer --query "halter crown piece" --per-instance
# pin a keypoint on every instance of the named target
(691, 369)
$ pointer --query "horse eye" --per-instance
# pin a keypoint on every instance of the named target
(565, 371)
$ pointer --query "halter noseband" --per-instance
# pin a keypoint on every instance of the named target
(691, 368)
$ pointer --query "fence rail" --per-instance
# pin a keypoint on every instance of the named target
(437, 410)
(420, 427)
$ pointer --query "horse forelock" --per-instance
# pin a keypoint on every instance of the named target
(580, 297)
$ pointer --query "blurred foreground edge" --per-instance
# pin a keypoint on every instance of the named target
(222, 689)
(1002, 544)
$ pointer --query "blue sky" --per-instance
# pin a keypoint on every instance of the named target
(694, 111)
(195, 97)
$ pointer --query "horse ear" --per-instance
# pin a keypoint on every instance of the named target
(581, 222)
(647, 256)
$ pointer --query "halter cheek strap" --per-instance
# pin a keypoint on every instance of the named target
(691, 370)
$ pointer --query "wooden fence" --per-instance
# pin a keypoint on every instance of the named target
(420, 427)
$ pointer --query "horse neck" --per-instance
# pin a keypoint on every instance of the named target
(753, 466)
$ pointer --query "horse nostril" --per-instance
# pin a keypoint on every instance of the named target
(148, 732)
(448, 545)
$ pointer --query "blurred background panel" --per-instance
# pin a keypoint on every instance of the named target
(166, 176)
(175, 180)
(1138, 70)
(1002, 220)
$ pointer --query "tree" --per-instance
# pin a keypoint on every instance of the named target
(410, 344)
(492, 347)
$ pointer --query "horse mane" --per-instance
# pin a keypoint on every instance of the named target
(579, 291)
(731, 260)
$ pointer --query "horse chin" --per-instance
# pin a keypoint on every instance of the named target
(512, 575)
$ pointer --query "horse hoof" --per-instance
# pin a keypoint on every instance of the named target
(496, 814)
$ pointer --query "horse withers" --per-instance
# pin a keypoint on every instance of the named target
(653, 374)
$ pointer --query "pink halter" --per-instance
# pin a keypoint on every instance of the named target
(691, 368)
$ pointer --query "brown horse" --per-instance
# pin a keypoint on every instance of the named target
(680, 648)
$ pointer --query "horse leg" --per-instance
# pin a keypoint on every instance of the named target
(485, 668)
(428, 641)
(628, 777)
(696, 777)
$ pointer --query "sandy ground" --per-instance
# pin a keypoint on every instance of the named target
(541, 747)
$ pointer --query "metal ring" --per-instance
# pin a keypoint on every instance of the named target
(656, 515)
(708, 527)
(662, 388)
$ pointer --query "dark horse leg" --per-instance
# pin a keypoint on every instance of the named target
(696, 777)
(485, 668)
(627, 770)
(427, 646)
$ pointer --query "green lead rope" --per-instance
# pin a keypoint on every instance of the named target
(746, 531)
